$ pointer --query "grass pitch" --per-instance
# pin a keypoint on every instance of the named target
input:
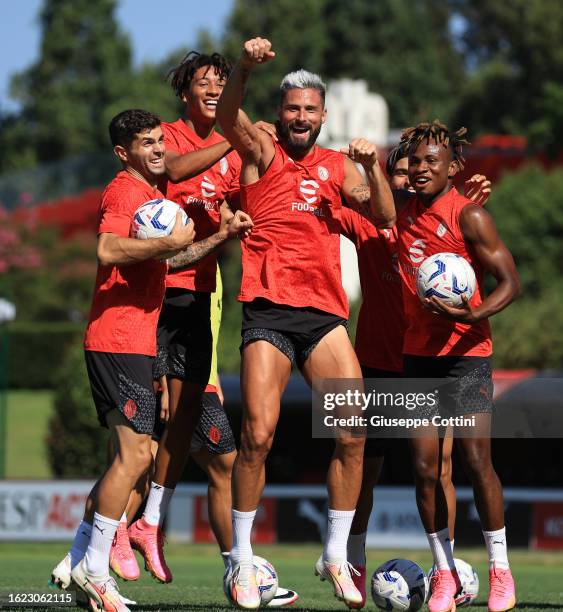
(198, 570)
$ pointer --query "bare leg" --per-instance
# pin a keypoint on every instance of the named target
(447, 483)
(334, 358)
(132, 458)
(264, 374)
(487, 490)
(173, 450)
(430, 497)
(372, 470)
(218, 469)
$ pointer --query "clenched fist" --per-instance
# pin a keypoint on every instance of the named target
(256, 51)
(362, 152)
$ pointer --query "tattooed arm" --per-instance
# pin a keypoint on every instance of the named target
(232, 226)
(373, 200)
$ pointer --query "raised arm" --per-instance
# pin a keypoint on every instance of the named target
(182, 167)
(479, 230)
(373, 200)
(255, 147)
(114, 250)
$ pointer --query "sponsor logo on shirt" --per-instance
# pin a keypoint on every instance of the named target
(308, 189)
(201, 203)
(207, 187)
(308, 208)
(416, 250)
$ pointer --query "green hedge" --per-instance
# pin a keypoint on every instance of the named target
(35, 351)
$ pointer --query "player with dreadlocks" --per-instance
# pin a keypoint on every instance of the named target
(379, 339)
(454, 343)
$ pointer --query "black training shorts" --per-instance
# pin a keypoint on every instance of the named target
(468, 381)
(123, 381)
(185, 342)
(294, 331)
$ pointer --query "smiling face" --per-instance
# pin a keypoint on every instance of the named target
(202, 95)
(399, 178)
(430, 169)
(301, 116)
(145, 154)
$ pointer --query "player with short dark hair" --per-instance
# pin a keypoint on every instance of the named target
(294, 306)
(454, 343)
(120, 342)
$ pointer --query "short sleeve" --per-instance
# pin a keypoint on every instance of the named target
(117, 212)
(352, 226)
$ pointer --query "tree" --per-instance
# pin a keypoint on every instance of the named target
(528, 211)
(401, 48)
(380, 42)
(83, 67)
(514, 49)
(76, 444)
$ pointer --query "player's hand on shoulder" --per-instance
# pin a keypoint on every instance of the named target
(256, 51)
(269, 128)
(461, 314)
(361, 151)
(478, 189)
(182, 235)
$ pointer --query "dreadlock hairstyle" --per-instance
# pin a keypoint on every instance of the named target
(181, 76)
(440, 134)
(395, 154)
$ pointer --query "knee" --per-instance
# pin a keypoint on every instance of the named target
(426, 470)
(137, 461)
(220, 470)
(477, 461)
(350, 446)
(255, 444)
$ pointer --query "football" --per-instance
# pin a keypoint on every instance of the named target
(469, 583)
(266, 578)
(446, 276)
(399, 584)
(155, 219)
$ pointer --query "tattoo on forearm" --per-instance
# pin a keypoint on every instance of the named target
(194, 253)
(361, 193)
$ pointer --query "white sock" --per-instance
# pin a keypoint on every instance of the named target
(496, 547)
(452, 543)
(226, 556)
(97, 555)
(242, 527)
(80, 543)
(357, 549)
(157, 504)
(123, 518)
(441, 548)
(338, 530)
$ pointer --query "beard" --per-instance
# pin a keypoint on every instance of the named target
(296, 148)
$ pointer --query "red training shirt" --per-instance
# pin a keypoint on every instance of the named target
(424, 232)
(381, 324)
(201, 197)
(292, 256)
(127, 299)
